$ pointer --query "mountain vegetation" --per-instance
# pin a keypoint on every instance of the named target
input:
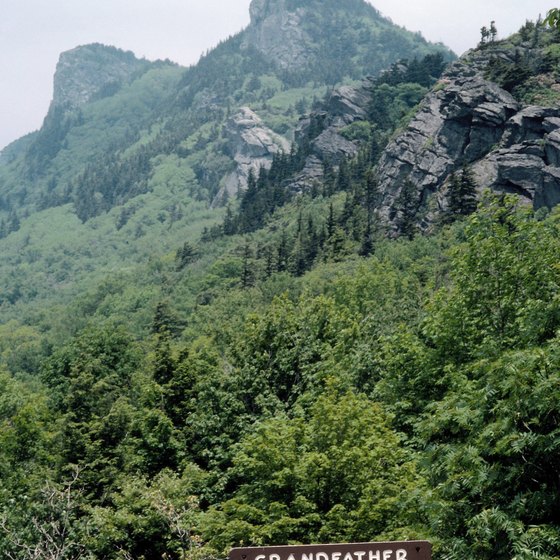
(184, 370)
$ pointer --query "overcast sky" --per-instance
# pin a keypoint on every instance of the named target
(34, 32)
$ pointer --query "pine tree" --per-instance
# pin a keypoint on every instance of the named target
(230, 227)
(468, 191)
(407, 205)
(343, 180)
(270, 265)
(186, 255)
(366, 249)
(493, 32)
(461, 194)
(453, 196)
(484, 34)
(247, 272)
(331, 221)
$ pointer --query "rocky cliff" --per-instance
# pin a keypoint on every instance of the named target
(88, 71)
(278, 32)
(251, 145)
(324, 131)
(468, 119)
(318, 39)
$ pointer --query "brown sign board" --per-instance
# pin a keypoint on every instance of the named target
(409, 550)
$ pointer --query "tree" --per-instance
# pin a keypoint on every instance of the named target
(494, 457)
(407, 204)
(89, 381)
(230, 226)
(336, 473)
(187, 254)
(461, 194)
(553, 18)
(504, 291)
(484, 35)
(52, 527)
(493, 32)
(247, 272)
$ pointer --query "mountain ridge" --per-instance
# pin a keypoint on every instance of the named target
(104, 156)
(179, 378)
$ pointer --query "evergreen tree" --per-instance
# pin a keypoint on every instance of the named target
(230, 227)
(283, 252)
(343, 180)
(186, 255)
(493, 32)
(331, 221)
(484, 35)
(461, 194)
(366, 248)
(247, 273)
(407, 205)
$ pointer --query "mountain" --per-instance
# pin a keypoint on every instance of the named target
(130, 147)
(328, 40)
(243, 307)
(493, 112)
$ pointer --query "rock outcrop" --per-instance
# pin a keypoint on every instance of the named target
(313, 39)
(87, 71)
(324, 132)
(527, 159)
(470, 120)
(278, 32)
(252, 145)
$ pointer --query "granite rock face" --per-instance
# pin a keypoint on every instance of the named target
(87, 71)
(252, 145)
(278, 32)
(469, 120)
(345, 106)
(527, 160)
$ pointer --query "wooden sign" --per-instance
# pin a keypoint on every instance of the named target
(406, 550)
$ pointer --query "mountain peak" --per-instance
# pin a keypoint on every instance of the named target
(86, 71)
(259, 8)
(333, 38)
(276, 30)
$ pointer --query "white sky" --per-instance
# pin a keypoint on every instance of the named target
(34, 32)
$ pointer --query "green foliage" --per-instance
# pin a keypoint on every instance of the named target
(148, 518)
(494, 453)
(461, 195)
(317, 478)
(504, 293)
(300, 378)
(552, 17)
(368, 401)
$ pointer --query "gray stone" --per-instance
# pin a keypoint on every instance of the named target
(345, 106)
(85, 71)
(278, 33)
(252, 145)
(549, 195)
(331, 147)
(552, 147)
(529, 124)
(468, 119)
(462, 121)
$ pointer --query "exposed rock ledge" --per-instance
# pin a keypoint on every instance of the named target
(345, 106)
(252, 145)
(468, 119)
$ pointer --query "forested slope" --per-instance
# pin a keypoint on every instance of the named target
(177, 379)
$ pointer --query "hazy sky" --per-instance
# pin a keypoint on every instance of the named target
(34, 32)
